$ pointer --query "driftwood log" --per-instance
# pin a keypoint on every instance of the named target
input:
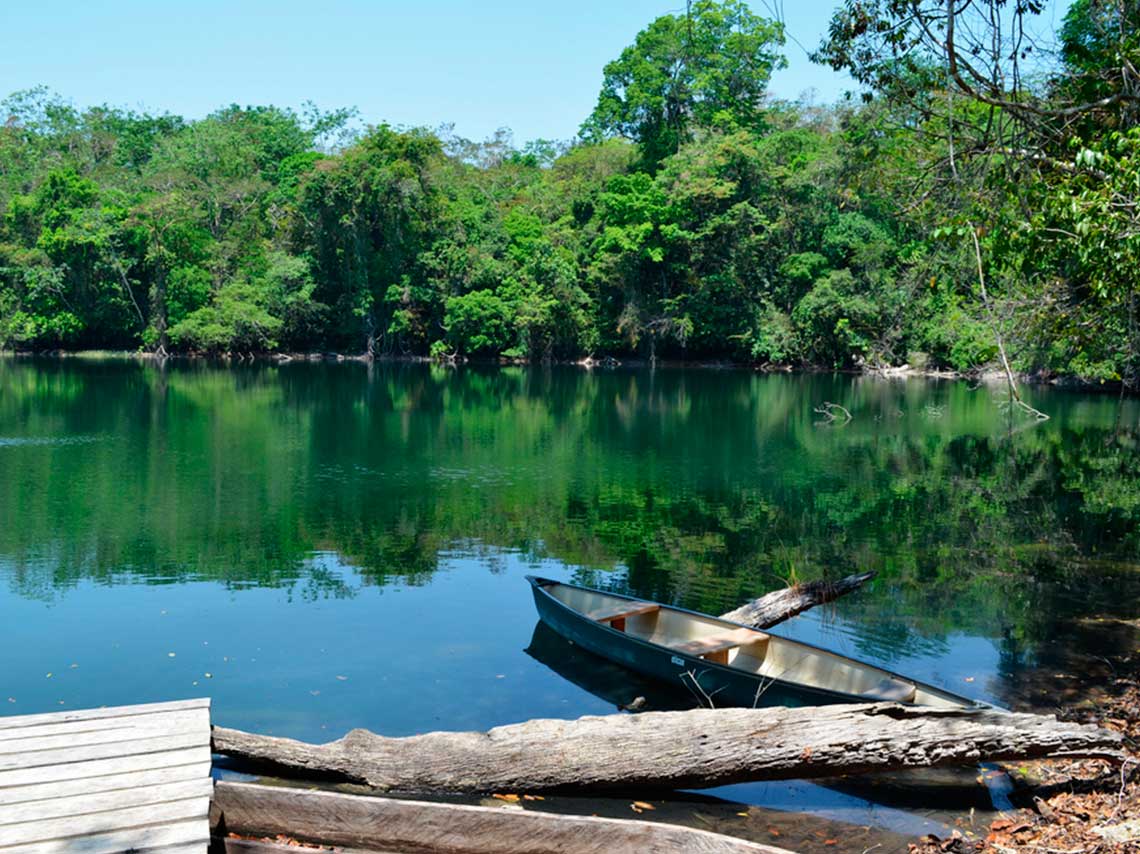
(668, 750)
(383, 824)
(780, 605)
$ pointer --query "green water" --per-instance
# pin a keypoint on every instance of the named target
(340, 546)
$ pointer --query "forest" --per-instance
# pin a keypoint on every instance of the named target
(975, 203)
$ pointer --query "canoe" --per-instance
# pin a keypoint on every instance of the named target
(722, 663)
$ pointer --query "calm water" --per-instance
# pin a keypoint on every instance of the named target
(319, 547)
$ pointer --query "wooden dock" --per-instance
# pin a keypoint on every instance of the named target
(101, 781)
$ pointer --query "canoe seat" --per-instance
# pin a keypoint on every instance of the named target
(715, 647)
(616, 615)
(893, 689)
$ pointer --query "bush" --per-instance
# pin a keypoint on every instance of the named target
(477, 323)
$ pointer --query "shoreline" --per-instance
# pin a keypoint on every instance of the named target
(989, 376)
(1069, 805)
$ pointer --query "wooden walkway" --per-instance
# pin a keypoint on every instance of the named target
(133, 778)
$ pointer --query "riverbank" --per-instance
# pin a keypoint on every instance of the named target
(1076, 807)
(988, 375)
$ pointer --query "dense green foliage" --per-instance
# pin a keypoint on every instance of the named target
(694, 218)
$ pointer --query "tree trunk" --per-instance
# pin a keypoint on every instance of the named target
(780, 605)
(382, 824)
(158, 313)
(669, 750)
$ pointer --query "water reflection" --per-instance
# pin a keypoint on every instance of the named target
(607, 681)
(697, 488)
(320, 547)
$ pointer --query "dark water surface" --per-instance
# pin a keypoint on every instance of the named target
(319, 547)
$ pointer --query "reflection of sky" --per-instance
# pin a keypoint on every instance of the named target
(802, 796)
(312, 660)
(444, 655)
(451, 649)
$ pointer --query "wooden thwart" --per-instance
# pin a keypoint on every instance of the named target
(103, 781)
(617, 615)
(715, 648)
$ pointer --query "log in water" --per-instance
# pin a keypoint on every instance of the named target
(668, 750)
(779, 605)
(332, 818)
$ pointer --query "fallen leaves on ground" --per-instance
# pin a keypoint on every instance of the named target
(282, 839)
(1081, 806)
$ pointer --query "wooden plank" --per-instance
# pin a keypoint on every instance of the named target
(107, 783)
(196, 721)
(180, 836)
(721, 642)
(102, 767)
(97, 714)
(332, 818)
(73, 755)
(109, 822)
(97, 725)
(117, 799)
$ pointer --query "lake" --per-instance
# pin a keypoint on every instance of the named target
(322, 546)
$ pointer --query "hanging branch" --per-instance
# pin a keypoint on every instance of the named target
(996, 330)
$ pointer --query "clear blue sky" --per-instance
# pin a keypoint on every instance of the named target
(532, 66)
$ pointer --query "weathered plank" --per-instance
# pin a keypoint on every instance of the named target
(102, 767)
(698, 748)
(93, 725)
(181, 836)
(111, 821)
(103, 713)
(104, 781)
(117, 799)
(176, 723)
(779, 605)
(156, 743)
(390, 825)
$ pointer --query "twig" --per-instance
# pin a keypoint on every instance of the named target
(704, 696)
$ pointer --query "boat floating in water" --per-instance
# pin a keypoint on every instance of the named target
(721, 662)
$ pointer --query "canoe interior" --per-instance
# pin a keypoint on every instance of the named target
(749, 650)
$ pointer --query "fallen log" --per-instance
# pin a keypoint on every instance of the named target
(392, 826)
(668, 750)
(780, 605)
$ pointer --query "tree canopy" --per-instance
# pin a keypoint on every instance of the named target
(706, 68)
(695, 217)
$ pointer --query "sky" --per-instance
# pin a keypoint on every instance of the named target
(534, 67)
